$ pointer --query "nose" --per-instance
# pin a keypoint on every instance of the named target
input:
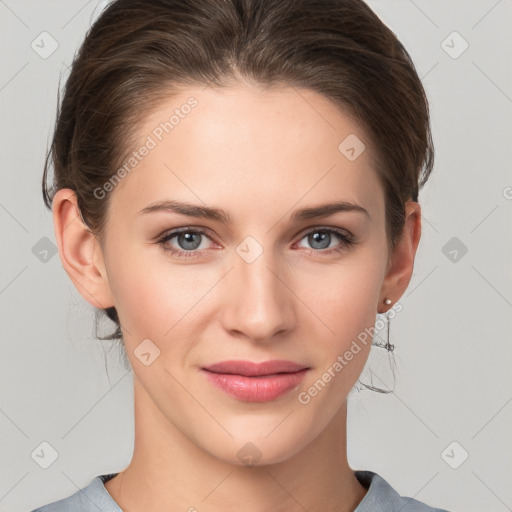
(259, 304)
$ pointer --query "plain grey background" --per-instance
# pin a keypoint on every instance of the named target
(442, 437)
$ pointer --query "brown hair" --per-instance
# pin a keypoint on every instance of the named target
(138, 51)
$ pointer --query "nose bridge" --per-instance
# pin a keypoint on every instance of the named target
(259, 305)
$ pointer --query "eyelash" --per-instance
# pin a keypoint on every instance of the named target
(347, 240)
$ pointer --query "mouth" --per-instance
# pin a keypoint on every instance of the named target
(255, 382)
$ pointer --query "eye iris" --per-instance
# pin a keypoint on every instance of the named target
(185, 239)
(321, 236)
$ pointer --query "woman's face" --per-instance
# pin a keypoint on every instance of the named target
(261, 281)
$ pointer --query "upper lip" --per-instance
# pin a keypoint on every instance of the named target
(253, 369)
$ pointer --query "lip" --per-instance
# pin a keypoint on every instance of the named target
(255, 382)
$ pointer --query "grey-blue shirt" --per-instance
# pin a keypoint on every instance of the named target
(380, 497)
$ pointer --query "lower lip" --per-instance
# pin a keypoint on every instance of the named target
(256, 389)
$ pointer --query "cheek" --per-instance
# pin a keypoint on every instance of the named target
(154, 297)
(345, 296)
(140, 292)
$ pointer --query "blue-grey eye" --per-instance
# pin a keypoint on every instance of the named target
(322, 238)
(189, 240)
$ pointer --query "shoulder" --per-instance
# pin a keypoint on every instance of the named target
(92, 498)
(381, 497)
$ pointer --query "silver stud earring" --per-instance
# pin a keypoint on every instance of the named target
(388, 301)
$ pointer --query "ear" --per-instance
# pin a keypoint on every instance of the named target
(401, 261)
(80, 252)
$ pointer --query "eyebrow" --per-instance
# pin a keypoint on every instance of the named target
(220, 215)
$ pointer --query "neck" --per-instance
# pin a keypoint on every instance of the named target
(168, 471)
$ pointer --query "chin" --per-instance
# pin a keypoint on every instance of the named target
(258, 450)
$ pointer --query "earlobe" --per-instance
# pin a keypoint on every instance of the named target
(402, 260)
(79, 251)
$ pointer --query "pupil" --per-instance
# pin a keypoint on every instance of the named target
(188, 242)
(321, 236)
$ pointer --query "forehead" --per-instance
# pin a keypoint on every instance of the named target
(247, 146)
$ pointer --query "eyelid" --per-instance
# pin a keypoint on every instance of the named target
(185, 229)
(171, 233)
(319, 227)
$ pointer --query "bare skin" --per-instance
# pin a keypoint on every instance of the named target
(260, 156)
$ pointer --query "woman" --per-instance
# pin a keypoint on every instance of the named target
(236, 185)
